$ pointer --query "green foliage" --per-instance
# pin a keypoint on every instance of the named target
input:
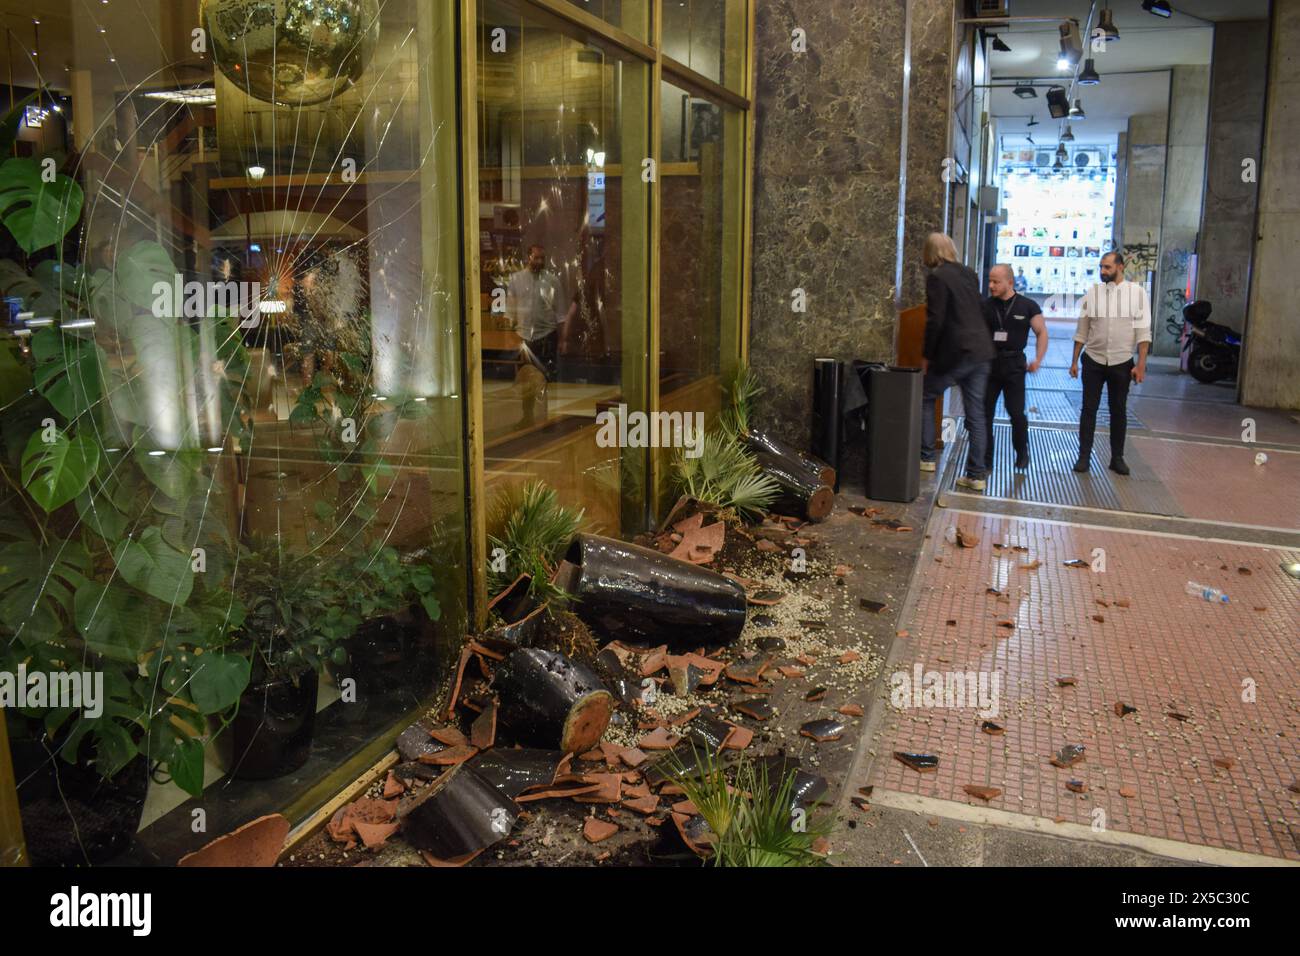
(55, 472)
(534, 530)
(738, 394)
(754, 822)
(37, 213)
(725, 475)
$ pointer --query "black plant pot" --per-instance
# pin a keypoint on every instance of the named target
(71, 815)
(272, 733)
(626, 591)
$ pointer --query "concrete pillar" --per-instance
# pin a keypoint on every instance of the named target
(1144, 191)
(829, 169)
(1189, 100)
(1238, 78)
(1271, 378)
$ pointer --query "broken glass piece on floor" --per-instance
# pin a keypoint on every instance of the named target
(921, 763)
(1069, 755)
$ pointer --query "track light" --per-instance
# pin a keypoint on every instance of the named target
(1071, 47)
(1000, 45)
(1076, 111)
(1106, 26)
(1058, 102)
(1058, 164)
(1025, 91)
(1068, 135)
(1159, 8)
(1061, 152)
(1089, 76)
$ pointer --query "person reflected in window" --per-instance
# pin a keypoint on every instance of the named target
(534, 302)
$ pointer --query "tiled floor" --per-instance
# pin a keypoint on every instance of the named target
(1165, 652)
(1126, 632)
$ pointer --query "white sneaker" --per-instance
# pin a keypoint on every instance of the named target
(927, 465)
(974, 484)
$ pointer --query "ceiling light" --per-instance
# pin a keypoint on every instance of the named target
(1106, 27)
(1025, 91)
(192, 96)
(1068, 135)
(1071, 47)
(1076, 111)
(1160, 8)
(1058, 164)
(255, 173)
(1089, 76)
(1058, 102)
(1061, 152)
(1000, 45)
(1033, 121)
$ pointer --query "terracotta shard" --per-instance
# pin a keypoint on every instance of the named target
(875, 607)
(450, 736)
(766, 546)
(921, 763)
(1128, 792)
(851, 710)
(374, 834)
(758, 708)
(983, 793)
(654, 661)
(1069, 755)
(1123, 710)
(643, 805)
(633, 757)
(1007, 623)
(1066, 682)
(610, 751)
(822, 731)
(787, 670)
(966, 539)
(595, 830)
(738, 739)
(848, 657)
(1177, 716)
(393, 787)
(609, 788)
(700, 544)
(1123, 602)
(256, 843)
(1076, 786)
(658, 739)
(750, 672)
(453, 862)
(1031, 565)
(816, 694)
(465, 655)
(449, 757)
(992, 729)
(1100, 619)
(1224, 763)
(483, 732)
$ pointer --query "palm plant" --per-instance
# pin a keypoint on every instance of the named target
(754, 823)
(533, 530)
(725, 475)
(738, 394)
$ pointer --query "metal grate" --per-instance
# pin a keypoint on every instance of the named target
(1051, 480)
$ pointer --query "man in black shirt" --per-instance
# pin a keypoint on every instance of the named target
(1010, 316)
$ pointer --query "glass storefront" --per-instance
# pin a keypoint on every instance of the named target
(267, 358)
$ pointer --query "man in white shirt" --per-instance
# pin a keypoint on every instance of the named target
(1114, 319)
(533, 300)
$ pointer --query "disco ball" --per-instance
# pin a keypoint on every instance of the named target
(292, 52)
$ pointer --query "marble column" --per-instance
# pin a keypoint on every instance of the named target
(829, 170)
(1270, 379)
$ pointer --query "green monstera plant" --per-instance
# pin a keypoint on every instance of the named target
(104, 529)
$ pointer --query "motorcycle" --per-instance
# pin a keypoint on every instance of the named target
(1214, 350)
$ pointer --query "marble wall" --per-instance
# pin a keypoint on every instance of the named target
(827, 185)
(1238, 78)
(1271, 378)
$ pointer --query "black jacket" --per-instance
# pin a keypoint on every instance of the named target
(955, 330)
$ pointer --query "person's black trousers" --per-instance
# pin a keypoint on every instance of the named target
(1008, 379)
(1116, 379)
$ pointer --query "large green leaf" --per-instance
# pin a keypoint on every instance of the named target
(106, 621)
(36, 588)
(138, 269)
(175, 474)
(104, 506)
(69, 371)
(217, 680)
(55, 472)
(37, 213)
(155, 567)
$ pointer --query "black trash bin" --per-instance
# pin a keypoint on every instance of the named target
(893, 433)
(828, 422)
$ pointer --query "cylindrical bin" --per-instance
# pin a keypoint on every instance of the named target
(894, 434)
(626, 591)
(828, 422)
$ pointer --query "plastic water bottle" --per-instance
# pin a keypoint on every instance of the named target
(1213, 595)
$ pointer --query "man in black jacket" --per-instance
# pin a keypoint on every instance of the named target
(1009, 317)
(958, 351)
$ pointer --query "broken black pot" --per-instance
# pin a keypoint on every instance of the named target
(519, 612)
(628, 592)
(459, 815)
(550, 701)
(71, 815)
(757, 442)
(271, 734)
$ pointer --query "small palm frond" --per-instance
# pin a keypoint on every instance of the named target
(738, 394)
(534, 530)
(725, 475)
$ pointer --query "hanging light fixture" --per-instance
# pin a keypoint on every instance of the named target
(1058, 102)
(1025, 91)
(1076, 111)
(1061, 152)
(1071, 47)
(1106, 26)
(1068, 135)
(1089, 75)
(1159, 8)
